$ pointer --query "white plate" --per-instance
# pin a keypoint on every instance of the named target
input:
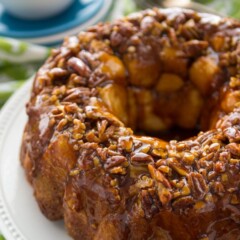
(20, 217)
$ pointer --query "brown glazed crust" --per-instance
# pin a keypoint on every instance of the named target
(84, 163)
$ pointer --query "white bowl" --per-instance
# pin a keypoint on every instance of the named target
(35, 9)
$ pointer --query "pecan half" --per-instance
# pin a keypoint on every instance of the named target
(197, 185)
(140, 158)
(79, 66)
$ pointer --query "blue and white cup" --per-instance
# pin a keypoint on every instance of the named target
(35, 9)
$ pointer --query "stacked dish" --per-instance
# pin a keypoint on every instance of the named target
(50, 31)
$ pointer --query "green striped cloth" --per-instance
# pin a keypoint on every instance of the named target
(226, 7)
(18, 62)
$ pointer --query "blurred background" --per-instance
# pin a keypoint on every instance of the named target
(220, 7)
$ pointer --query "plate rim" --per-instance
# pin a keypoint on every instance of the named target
(58, 37)
(8, 227)
(90, 13)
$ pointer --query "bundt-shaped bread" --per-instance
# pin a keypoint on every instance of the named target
(163, 73)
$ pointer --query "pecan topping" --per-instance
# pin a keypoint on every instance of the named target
(158, 176)
(141, 158)
(197, 185)
(178, 167)
(62, 124)
(79, 66)
(147, 24)
(149, 203)
(183, 202)
(195, 47)
(77, 95)
(58, 72)
(164, 194)
(114, 161)
(234, 149)
(126, 143)
(145, 182)
(153, 72)
(116, 164)
(116, 39)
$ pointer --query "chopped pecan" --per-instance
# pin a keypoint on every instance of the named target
(235, 199)
(189, 30)
(126, 143)
(165, 169)
(188, 158)
(116, 164)
(158, 176)
(77, 95)
(71, 108)
(149, 203)
(211, 175)
(224, 156)
(114, 161)
(143, 149)
(88, 58)
(131, 49)
(144, 182)
(197, 185)
(78, 129)
(141, 158)
(79, 66)
(147, 23)
(98, 78)
(234, 149)
(183, 202)
(234, 82)
(218, 187)
(116, 38)
(185, 190)
(102, 152)
(91, 136)
(214, 147)
(220, 167)
(195, 48)
(181, 146)
(159, 152)
(62, 124)
(76, 80)
(101, 126)
(173, 163)
(57, 113)
(164, 194)
(58, 72)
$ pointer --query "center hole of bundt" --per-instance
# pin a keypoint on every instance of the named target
(171, 95)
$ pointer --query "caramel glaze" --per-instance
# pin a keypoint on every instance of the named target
(149, 72)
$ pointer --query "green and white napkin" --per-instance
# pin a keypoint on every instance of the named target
(227, 8)
(18, 62)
